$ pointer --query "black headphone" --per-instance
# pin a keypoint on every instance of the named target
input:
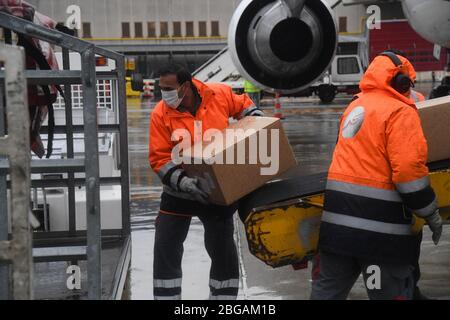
(401, 82)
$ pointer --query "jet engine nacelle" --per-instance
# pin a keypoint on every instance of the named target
(282, 45)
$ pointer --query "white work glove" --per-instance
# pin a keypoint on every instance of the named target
(435, 223)
(190, 185)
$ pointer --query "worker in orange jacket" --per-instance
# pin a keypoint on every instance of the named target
(415, 97)
(190, 105)
(377, 182)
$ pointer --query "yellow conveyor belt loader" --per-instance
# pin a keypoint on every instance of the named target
(282, 219)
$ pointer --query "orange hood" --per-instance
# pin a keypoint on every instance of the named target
(380, 74)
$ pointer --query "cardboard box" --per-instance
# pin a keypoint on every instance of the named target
(435, 117)
(238, 160)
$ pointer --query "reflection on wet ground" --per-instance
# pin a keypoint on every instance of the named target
(312, 130)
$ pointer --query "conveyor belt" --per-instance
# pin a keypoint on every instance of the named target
(439, 165)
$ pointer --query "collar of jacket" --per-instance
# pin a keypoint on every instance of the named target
(203, 90)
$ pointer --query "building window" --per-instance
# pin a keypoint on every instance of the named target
(125, 29)
(151, 26)
(164, 29)
(189, 29)
(202, 29)
(138, 33)
(215, 32)
(348, 65)
(86, 30)
(177, 29)
(347, 48)
(342, 24)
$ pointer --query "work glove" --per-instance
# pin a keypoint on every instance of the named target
(190, 185)
(256, 113)
(435, 223)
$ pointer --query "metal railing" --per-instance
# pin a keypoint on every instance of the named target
(16, 146)
(87, 78)
(105, 96)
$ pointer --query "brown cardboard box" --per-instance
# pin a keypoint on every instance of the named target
(247, 160)
(435, 116)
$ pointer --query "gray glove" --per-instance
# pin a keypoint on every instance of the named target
(256, 113)
(435, 223)
(190, 185)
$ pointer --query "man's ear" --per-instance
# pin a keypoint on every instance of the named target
(190, 86)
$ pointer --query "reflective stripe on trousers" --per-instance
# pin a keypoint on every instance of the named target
(171, 283)
(232, 283)
(167, 289)
(223, 297)
(177, 297)
(224, 290)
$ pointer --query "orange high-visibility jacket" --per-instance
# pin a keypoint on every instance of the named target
(219, 103)
(378, 176)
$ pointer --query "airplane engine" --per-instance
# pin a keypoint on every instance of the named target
(282, 45)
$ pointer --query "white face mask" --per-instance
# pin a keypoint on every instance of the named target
(171, 98)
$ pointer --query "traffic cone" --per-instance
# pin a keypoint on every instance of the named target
(278, 113)
(147, 90)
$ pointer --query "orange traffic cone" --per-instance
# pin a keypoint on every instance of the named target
(278, 113)
(147, 90)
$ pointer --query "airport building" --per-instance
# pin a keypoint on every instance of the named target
(153, 31)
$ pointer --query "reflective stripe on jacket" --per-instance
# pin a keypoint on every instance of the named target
(378, 176)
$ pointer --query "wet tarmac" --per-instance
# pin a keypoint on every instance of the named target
(312, 130)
